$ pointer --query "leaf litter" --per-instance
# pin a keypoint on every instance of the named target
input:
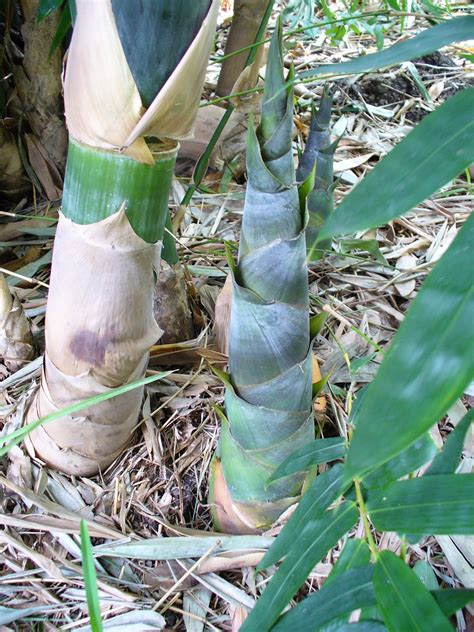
(158, 488)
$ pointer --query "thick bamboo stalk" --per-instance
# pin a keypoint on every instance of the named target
(100, 323)
(246, 20)
(268, 412)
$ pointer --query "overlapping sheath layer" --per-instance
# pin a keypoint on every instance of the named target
(268, 397)
(133, 70)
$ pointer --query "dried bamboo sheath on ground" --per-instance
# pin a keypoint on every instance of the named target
(269, 393)
(100, 321)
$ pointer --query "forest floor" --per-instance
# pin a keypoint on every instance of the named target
(159, 485)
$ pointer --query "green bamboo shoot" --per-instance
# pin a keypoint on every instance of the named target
(268, 399)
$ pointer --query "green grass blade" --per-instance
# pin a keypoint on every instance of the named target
(442, 504)
(428, 365)
(438, 149)
(203, 160)
(405, 603)
(90, 580)
(428, 41)
(14, 438)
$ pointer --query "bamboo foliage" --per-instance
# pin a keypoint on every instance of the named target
(100, 323)
(268, 400)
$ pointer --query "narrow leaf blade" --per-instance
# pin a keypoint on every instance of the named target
(90, 580)
(428, 365)
(351, 590)
(432, 505)
(439, 148)
(428, 41)
(313, 543)
(318, 451)
(447, 461)
(403, 600)
(320, 494)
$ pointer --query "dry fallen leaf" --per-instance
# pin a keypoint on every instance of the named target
(15, 335)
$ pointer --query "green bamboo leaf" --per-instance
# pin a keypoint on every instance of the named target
(452, 600)
(352, 589)
(65, 23)
(426, 574)
(316, 323)
(447, 461)
(355, 553)
(427, 367)
(308, 549)
(428, 41)
(366, 245)
(432, 505)
(439, 148)
(404, 601)
(46, 7)
(361, 626)
(90, 580)
(321, 493)
(416, 455)
(15, 437)
(316, 452)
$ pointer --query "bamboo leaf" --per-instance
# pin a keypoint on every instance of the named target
(321, 493)
(416, 455)
(404, 601)
(132, 621)
(361, 626)
(428, 365)
(452, 600)
(439, 148)
(316, 452)
(426, 574)
(8, 615)
(432, 505)
(350, 590)
(428, 41)
(447, 461)
(46, 7)
(65, 23)
(90, 580)
(355, 553)
(182, 547)
(308, 549)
